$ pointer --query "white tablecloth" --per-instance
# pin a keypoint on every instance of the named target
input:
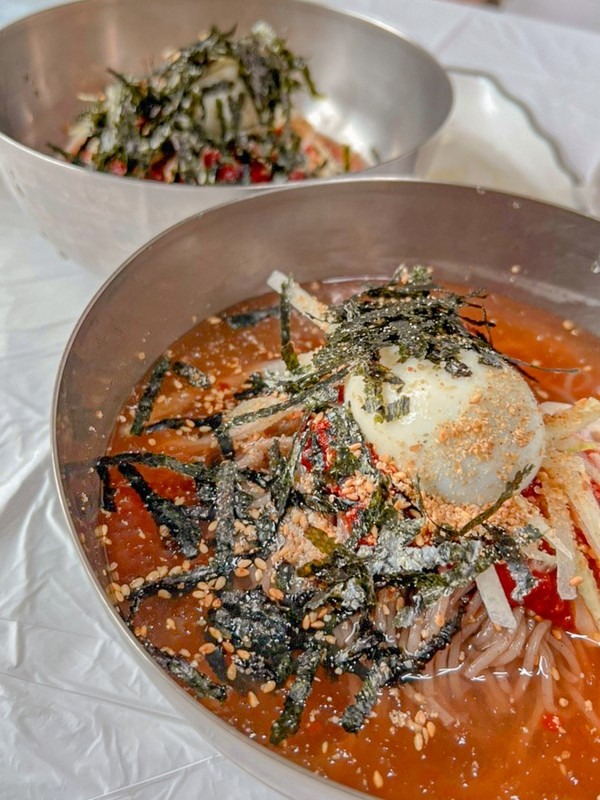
(77, 719)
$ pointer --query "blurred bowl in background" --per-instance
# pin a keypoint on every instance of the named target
(379, 91)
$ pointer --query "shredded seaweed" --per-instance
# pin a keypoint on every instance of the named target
(284, 617)
(289, 720)
(194, 376)
(159, 125)
(149, 395)
(182, 670)
(176, 519)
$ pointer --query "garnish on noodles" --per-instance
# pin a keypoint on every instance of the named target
(221, 110)
(381, 511)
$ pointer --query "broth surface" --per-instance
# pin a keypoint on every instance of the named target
(511, 754)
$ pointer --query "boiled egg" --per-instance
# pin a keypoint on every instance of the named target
(464, 437)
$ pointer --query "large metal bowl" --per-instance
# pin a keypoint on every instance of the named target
(348, 228)
(379, 91)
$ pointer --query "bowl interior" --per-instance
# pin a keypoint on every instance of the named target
(379, 91)
(351, 228)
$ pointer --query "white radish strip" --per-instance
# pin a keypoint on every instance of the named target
(560, 519)
(588, 588)
(304, 302)
(563, 424)
(494, 599)
(571, 473)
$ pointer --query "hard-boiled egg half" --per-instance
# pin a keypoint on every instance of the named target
(464, 437)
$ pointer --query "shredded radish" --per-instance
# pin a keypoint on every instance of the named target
(494, 599)
(565, 535)
(304, 302)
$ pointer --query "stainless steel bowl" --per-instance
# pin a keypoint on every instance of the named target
(348, 228)
(379, 91)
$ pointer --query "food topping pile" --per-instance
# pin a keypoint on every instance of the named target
(218, 111)
(352, 494)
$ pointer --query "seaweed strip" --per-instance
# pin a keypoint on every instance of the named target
(177, 585)
(225, 509)
(179, 668)
(378, 676)
(248, 319)
(174, 423)
(194, 376)
(288, 353)
(289, 720)
(183, 530)
(149, 395)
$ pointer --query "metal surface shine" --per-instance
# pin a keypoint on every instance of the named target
(379, 91)
(349, 228)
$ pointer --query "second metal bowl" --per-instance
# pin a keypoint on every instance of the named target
(379, 91)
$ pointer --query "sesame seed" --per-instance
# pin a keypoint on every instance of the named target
(563, 702)
(164, 593)
(260, 563)
(228, 647)
(243, 654)
(220, 583)
(207, 649)
(267, 687)
(185, 652)
(170, 624)
(555, 674)
(324, 746)
(576, 580)
(231, 672)
(216, 634)
(253, 699)
(430, 726)
(377, 779)
(418, 742)
(241, 572)
(275, 594)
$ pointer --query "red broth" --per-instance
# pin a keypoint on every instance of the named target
(512, 754)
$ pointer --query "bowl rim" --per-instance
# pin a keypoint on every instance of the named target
(179, 698)
(244, 188)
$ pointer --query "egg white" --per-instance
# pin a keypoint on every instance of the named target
(463, 437)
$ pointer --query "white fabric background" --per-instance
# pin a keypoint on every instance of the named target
(77, 718)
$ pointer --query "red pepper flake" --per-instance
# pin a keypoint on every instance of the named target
(117, 167)
(552, 723)
(260, 173)
(229, 173)
(210, 157)
(319, 430)
(157, 171)
(543, 599)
